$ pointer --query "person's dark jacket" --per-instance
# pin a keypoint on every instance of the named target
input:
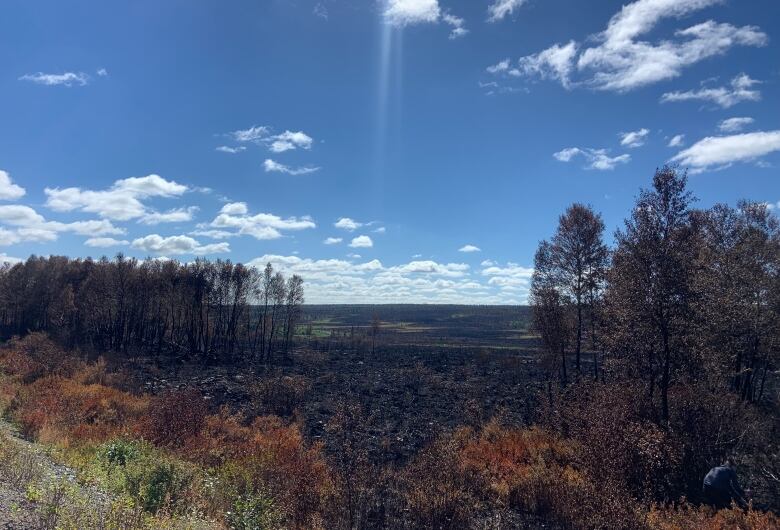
(721, 486)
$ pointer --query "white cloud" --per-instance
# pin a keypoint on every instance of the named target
(253, 134)
(677, 140)
(345, 223)
(740, 89)
(272, 166)
(502, 8)
(597, 158)
(333, 241)
(342, 281)
(276, 143)
(361, 242)
(458, 25)
(634, 139)
(231, 150)
(469, 248)
(320, 10)
(235, 208)
(176, 215)
(716, 152)
(29, 225)
(556, 62)
(501, 66)
(380, 230)
(8, 190)
(65, 79)
(5, 258)
(214, 234)
(121, 202)
(234, 219)
(622, 58)
(177, 245)
(105, 242)
(289, 140)
(734, 124)
(407, 12)
(102, 72)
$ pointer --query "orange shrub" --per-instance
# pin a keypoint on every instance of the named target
(64, 409)
(36, 356)
(268, 456)
(705, 518)
(173, 418)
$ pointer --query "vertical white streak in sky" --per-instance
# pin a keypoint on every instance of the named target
(387, 33)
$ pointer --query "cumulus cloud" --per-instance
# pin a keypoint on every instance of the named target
(407, 12)
(235, 208)
(272, 166)
(677, 140)
(262, 135)
(29, 225)
(596, 158)
(102, 72)
(634, 139)
(361, 242)
(64, 79)
(177, 245)
(422, 281)
(345, 223)
(622, 58)
(105, 242)
(740, 89)
(735, 124)
(234, 219)
(333, 240)
(289, 140)
(500, 9)
(121, 202)
(8, 190)
(469, 248)
(717, 152)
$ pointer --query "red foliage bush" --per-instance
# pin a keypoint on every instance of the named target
(59, 409)
(173, 418)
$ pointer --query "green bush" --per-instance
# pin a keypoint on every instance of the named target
(149, 477)
(253, 512)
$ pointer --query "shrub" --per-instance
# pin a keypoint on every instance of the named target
(152, 479)
(56, 409)
(253, 512)
(173, 418)
(705, 518)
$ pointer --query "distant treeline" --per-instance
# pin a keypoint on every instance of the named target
(686, 296)
(215, 310)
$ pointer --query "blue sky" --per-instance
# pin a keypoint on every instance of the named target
(387, 151)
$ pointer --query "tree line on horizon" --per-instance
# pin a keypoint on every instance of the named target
(213, 311)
